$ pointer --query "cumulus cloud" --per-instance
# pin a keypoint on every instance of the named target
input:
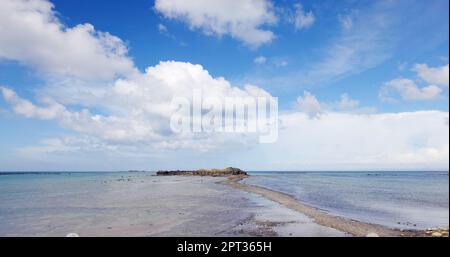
(408, 90)
(346, 103)
(302, 19)
(31, 34)
(309, 104)
(135, 109)
(243, 20)
(433, 75)
(81, 67)
(139, 107)
(436, 77)
(111, 128)
(28, 109)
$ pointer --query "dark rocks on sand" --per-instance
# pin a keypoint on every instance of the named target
(203, 172)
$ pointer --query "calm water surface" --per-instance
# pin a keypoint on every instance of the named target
(395, 199)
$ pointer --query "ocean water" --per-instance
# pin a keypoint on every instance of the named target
(27, 198)
(411, 200)
(55, 202)
(118, 204)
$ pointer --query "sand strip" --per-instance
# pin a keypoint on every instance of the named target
(353, 227)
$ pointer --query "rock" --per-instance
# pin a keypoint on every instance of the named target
(203, 172)
(372, 235)
(436, 234)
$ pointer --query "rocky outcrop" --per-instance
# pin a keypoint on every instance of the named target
(230, 171)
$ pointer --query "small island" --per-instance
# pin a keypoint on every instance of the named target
(230, 171)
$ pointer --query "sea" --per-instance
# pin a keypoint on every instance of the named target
(408, 200)
(405, 200)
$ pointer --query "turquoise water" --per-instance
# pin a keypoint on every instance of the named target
(413, 200)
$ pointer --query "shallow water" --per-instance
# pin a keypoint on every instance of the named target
(139, 204)
(413, 200)
(117, 204)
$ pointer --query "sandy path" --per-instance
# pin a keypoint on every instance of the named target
(352, 227)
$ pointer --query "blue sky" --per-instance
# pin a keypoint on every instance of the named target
(328, 62)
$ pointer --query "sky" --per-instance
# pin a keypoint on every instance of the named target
(87, 85)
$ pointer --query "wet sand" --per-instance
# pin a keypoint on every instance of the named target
(353, 227)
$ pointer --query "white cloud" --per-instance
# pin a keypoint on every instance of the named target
(110, 128)
(424, 154)
(309, 104)
(136, 108)
(67, 144)
(437, 78)
(408, 90)
(31, 34)
(346, 103)
(139, 107)
(260, 60)
(273, 61)
(336, 141)
(302, 19)
(243, 20)
(348, 141)
(28, 109)
(433, 75)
